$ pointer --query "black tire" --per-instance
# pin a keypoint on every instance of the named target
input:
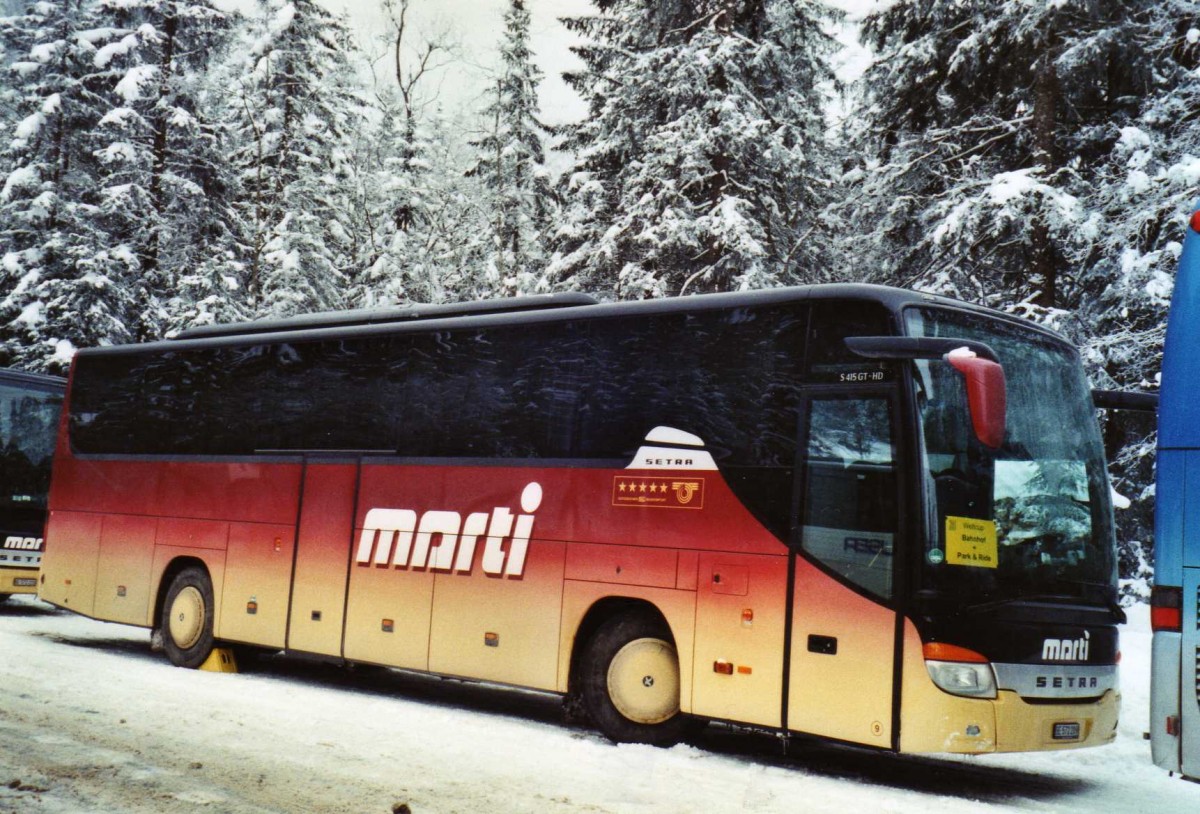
(4, 598)
(187, 618)
(629, 681)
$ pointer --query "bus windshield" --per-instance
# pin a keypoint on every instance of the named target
(1033, 518)
(28, 422)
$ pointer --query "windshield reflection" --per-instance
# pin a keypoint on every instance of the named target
(1034, 516)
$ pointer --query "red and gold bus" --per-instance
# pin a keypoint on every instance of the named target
(853, 512)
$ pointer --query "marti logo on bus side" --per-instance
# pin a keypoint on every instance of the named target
(401, 539)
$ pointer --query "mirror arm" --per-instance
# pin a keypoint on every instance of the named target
(915, 347)
(1139, 401)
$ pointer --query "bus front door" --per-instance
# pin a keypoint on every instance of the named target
(843, 634)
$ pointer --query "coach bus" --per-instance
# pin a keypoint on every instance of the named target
(852, 512)
(1175, 659)
(29, 413)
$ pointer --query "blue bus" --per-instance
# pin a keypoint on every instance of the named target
(1175, 681)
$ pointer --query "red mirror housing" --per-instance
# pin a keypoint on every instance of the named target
(987, 395)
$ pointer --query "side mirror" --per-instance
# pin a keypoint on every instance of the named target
(987, 395)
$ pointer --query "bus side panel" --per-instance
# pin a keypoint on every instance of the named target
(264, 493)
(1172, 468)
(68, 577)
(623, 565)
(497, 628)
(1189, 695)
(841, 676)
(123, 584)
(322, 556)
(256, 493)
(105, 486)
(740, 621)
(257, 584)
(1164, 698)
(180, 532)
(677, 607)
(935, 721)
(387, 616)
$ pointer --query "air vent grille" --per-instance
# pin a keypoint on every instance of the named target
(1198, 675)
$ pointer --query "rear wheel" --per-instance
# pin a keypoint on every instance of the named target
(630, 681)
(187, 618)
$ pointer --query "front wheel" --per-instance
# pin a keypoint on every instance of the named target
(187, 618)
(630, 681)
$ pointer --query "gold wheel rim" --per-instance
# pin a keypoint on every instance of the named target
(643, 681)
(187, 618)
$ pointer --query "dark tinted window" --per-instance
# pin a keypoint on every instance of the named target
(849, 517)
(499, 393)
(830, 361)
(578, 390)
(28, 425)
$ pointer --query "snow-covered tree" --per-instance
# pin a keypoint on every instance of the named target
(980, 127)
(511, 165)
(63, 285)
(1038, 156)
(160, 170)
(1143, 193)
(293, 109)
(703, 164)
(420, 202)
(434, 225)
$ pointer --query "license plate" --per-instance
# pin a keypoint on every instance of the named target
(1066, 732)
(25, 582)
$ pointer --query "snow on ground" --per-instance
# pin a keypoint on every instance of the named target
(92, 721)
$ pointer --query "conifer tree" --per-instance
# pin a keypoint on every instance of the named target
(511, 165)
(980, 126)
(292, 110)
(420, 200)
(1143, 193)
(63, 285)
(160, 171)
(703, 164)
(1007, 150)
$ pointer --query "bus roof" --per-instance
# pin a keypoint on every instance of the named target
(41, 381)
(535, 309)
(381, 316)
(1178, 410)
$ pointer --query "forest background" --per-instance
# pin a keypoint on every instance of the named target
(173, 163)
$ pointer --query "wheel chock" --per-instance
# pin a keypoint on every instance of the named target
(220, 660)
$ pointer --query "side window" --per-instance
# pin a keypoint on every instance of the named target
(849, 516)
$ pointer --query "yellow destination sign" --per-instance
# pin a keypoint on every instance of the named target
(971, 542)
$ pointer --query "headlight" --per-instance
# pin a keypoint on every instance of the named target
(961, 678)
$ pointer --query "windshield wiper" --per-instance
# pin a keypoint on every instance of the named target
(980, 607)
(1110, 604)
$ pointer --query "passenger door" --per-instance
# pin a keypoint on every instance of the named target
(843, 636)
(323, 543)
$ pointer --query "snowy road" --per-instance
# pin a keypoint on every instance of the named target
(92, 721)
